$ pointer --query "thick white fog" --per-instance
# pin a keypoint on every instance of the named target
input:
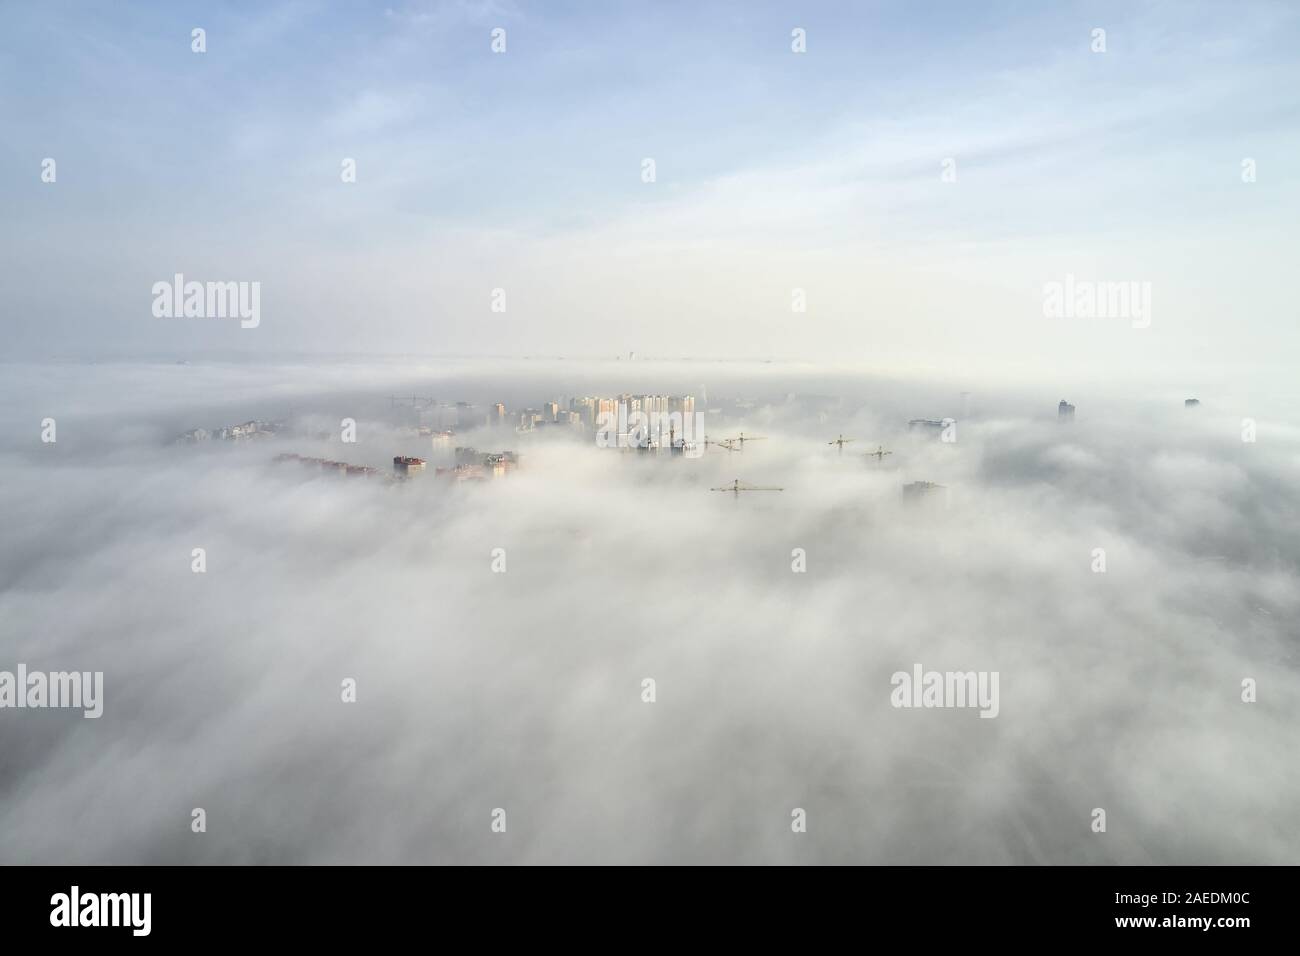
(478, 689)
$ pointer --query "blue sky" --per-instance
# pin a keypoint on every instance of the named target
(774, 171)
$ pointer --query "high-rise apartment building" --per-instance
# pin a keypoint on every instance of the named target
(606, 409)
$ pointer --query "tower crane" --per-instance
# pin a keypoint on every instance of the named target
(719, 444)
(879, 454)
(737, 486)
(741, 439)
(841, 441)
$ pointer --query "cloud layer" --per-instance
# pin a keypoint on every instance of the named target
(522, 690)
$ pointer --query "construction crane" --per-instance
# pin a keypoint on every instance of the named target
(879, 454)
(737, 486)
(719, 444)
(841, 441)
(741, 439)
